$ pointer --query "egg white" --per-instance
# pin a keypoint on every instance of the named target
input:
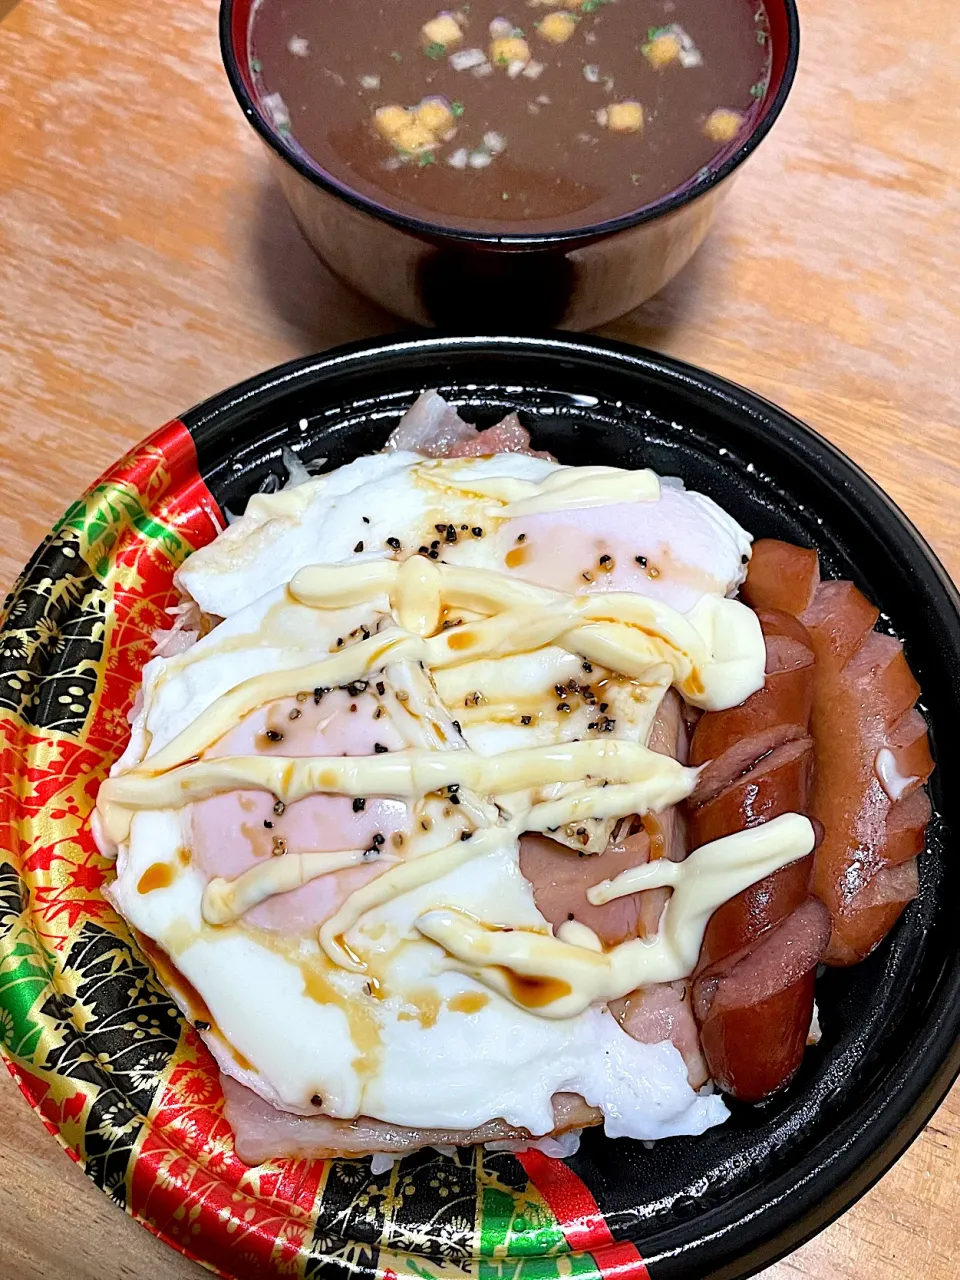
(462, 1069)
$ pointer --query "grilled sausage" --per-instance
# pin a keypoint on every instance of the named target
(872, 754)
(753, 987)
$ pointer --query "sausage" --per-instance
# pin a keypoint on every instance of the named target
(753, 985)
(871, 747)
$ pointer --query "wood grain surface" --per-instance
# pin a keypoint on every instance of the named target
(147, 261)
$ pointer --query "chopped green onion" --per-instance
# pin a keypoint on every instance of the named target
(426, 158)
(758, 90)
(436, 50)
(761, 36)
(457, 109)
(256, 64)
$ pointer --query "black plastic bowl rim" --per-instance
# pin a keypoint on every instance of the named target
(677, 199)
(757, 1226)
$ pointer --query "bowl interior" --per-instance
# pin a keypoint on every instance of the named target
(724, 1204)
(784, 26)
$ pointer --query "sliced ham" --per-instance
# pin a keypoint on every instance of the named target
(663, 1012)
(435, 429)
(261, 1132)
(561, 876)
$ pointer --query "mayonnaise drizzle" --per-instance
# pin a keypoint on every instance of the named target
(714, 655)
(411, 774)
(711, 875)
(565, 489)
(225, 901)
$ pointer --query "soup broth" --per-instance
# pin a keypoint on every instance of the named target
(512, 115)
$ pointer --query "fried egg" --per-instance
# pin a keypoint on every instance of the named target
(310, 1035)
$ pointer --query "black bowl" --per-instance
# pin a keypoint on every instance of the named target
(730, 1202)
(578, 278)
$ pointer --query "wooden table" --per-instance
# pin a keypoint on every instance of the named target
(147, 260)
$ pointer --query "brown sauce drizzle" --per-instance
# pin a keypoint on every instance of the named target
(534, 992)
(159, 875)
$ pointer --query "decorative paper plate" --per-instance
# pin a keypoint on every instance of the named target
(124, 1083)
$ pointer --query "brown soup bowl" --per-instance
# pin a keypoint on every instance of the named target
(474, 279)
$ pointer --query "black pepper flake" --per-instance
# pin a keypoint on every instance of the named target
(318, 694)
(356, 688)
(569, 915)
(563, 706)
(268, 824)
(435, 543)
(466, 835)
(381, 688)
(440, 528)
(477, 531)
(422, 551)
(434, 555)
(456, 725)
(201, 1025)
(365, 519)
(394, 542)
(378, 714)
(641, 561)
(295, 714)
(451, 534)
(744, 559)
(592, 724)
(316, 1101)
(380, 749)
(604, 706)
(358, 547)
(359, 804)
(339, 642)
(273, 735)
(279, 808)
(560, 690)
(526, 719)
(463, 528)
(378, 840)
(521, 537)
(605, 559)
(454, 798)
